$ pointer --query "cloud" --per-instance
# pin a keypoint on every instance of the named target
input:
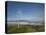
(27, 18)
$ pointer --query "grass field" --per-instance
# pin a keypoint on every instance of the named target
(24, 28)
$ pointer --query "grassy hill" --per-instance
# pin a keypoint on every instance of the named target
(24, 28)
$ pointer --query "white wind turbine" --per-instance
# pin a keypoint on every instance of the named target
(19, 13)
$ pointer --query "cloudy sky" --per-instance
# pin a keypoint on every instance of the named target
(25, 11)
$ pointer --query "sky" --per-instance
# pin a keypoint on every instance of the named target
(25, 11)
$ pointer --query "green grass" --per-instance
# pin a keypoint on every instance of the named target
(24, 28)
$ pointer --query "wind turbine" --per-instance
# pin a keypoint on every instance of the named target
(18, 16)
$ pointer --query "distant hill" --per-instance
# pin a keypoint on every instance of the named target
(25, 21)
